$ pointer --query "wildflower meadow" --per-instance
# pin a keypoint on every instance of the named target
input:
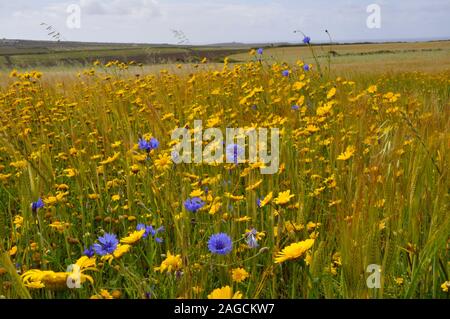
(94, 204)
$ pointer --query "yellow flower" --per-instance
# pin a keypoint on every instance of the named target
(134, 237)
(283, 198)
(215, 207)
(18, 221)
(294, 251)
(135, 169)
(331, 93)
(297, 86)
(349, 152)
(445, 286)
(164, 162)
(115, 198)
(104, 294)
(254, 186)
(234, 197)
(266, 200)
(37, 279)
(121, 250)
(19, 164)
(59, 226)
(13, 251)
(196, 193)
(224, 293)
(399, 281)
(239, 275)
(372, 89)
(111, 159)
(171, 263)
(70, 172)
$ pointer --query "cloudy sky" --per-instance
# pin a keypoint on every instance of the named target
(214, 21)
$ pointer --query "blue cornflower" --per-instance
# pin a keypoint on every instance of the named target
(194, 204)
(147, 146)
(306, 67)
(234, 152)
(149, 230)
(306, 40)
(295, 107)
(220, 244)
(89, 252)
(285, 73)
(154, 143)
(36, 205)
(251, 240)
(108, 244)
(260, 51)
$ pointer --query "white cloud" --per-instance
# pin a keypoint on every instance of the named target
(133, 8)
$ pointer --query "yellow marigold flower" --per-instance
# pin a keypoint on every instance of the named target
(18, 221)
(254, 186)
(215, 207)
(297, 86)
(294, 251)
(196, 193)
(62, 187)
(121, 250)
(266, 200)
(19, 164)
(239, 275)
(116, 144)
(59, 226)
(4, 177)
(283, 198)
(134, 237)
(164, 162)
(311, 226)
(224, 293)
(349, 152)
(171, 263)
(372, 89)
(243, 219)
(293, 227)
(70, 172)
(308, 258)
(331, 93)
(399, 281)
(37, 279)
(135, 169)
(445, 286)
(93, 196)
(111, 159)
(115, 198)
(13, 251)
(104, 294)
(234, 197)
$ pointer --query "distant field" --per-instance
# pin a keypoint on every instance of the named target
(344, 58)
(420, 56)
(25, 54)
